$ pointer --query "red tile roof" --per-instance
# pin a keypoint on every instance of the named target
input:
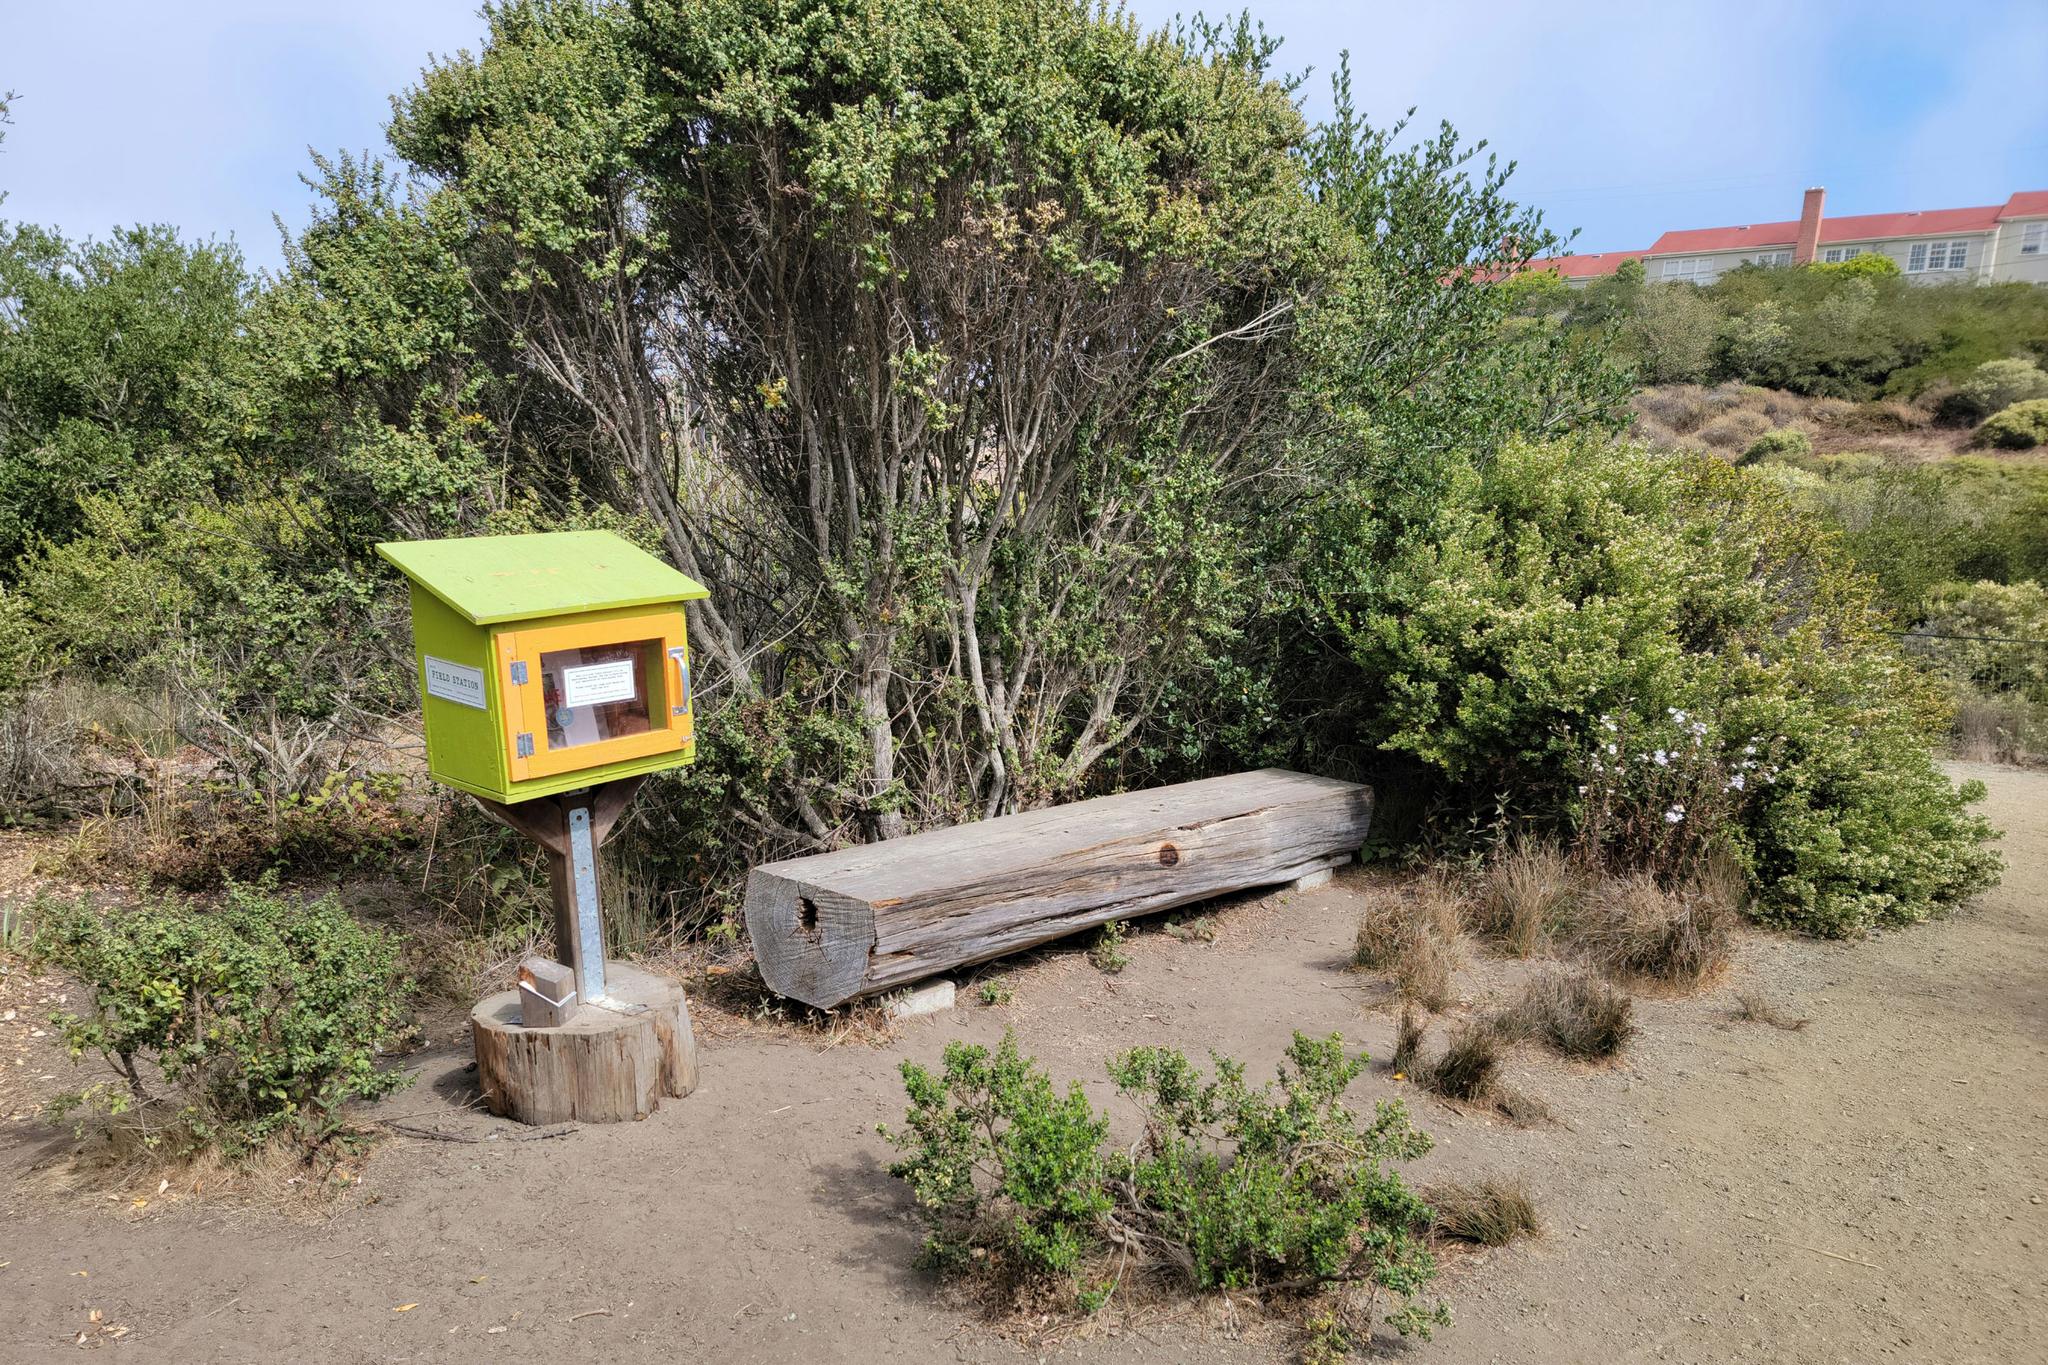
(1853, 228)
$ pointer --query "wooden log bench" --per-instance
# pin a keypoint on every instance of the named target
(834, 926)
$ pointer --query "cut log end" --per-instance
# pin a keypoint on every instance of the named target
(604, 1065)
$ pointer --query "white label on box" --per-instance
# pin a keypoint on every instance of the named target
(456, 683)
(596, 684)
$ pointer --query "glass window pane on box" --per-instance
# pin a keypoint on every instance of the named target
(598, 692)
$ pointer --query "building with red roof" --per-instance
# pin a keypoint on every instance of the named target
(1996, 242)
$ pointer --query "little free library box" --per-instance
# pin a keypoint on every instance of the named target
(554, 676)
(548, 662)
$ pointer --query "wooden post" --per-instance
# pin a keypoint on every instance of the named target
(626, 1043)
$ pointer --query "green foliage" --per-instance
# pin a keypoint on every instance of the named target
(1109, 954)
(1854, 329)
(1782, 444)
(1995, 386)
(1998, 632)
(1871, 265)
(2019, 427)
(249, 1020)
(101, 347)
(1281, 1188)
(1913, 527)
(1002, 1164)
(1564, 589)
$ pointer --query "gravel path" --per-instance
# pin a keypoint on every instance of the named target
(1864, 1189)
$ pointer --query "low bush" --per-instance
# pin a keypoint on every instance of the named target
(227, 1026)
(1524, 895)
(1782, 444)
(1280, 1189)
(1993, 387)
(1576, 1016)
(1737, 430)
(1632, 927)
(2020, 427)
(1534, 645)
(1489, 1212)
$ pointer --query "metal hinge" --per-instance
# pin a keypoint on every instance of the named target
(525, 744)
(519, 672)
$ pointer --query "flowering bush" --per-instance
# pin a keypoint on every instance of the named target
(1664, 656)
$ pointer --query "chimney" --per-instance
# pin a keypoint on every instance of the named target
(1808, 244)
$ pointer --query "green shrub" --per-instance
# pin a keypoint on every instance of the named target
(1978, 634)
(1280, 1188)
(1562, 589)
(242, 1022)
(2020, 427)
(1782, 444)
(1993, 387)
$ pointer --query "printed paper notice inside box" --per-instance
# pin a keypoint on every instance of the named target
(596, 684)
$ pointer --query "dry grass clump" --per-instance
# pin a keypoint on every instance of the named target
(1411, 932)
(1577, 1016)
(1734, 430)
(1422, 973)
(1999, 730)
(1489, 1212)
(1408, 1043)
(1751, 1008)
(1524, 896)
(1631, 927)
(1468, 1071)
(1469, 1067)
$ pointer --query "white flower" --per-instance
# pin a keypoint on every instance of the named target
(1612, 750)
(1582, 791)
(1674, 815)
(1735, 783)
(1749, 750)
(1660, 758)
(1676, 715)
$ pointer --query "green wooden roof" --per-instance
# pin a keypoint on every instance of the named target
(514, 578)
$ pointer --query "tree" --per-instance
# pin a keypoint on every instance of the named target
(101, 344)
(936, 340)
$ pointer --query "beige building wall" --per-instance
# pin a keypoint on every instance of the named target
(2011, 261)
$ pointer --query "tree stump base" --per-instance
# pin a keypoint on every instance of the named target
(605, 1065)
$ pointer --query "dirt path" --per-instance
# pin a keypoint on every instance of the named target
(1864, 1189)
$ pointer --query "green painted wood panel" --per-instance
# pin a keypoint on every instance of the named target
(490, 579)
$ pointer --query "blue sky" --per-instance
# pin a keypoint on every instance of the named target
(1625, 118)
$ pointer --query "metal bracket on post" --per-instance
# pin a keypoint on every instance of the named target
(589, 925)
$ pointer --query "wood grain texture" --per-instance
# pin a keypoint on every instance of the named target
(838, 925)
(602, 1066)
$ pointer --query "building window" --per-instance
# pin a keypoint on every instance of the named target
(1694, 268)
(2034, 239)
(1835, 255)
(1769, 258)
(1937, 256)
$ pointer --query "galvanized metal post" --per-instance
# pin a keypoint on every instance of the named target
(589, 924)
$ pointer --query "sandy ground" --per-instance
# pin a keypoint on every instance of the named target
(1866, 1189)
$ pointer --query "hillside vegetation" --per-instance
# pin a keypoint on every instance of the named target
(1051, 405)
